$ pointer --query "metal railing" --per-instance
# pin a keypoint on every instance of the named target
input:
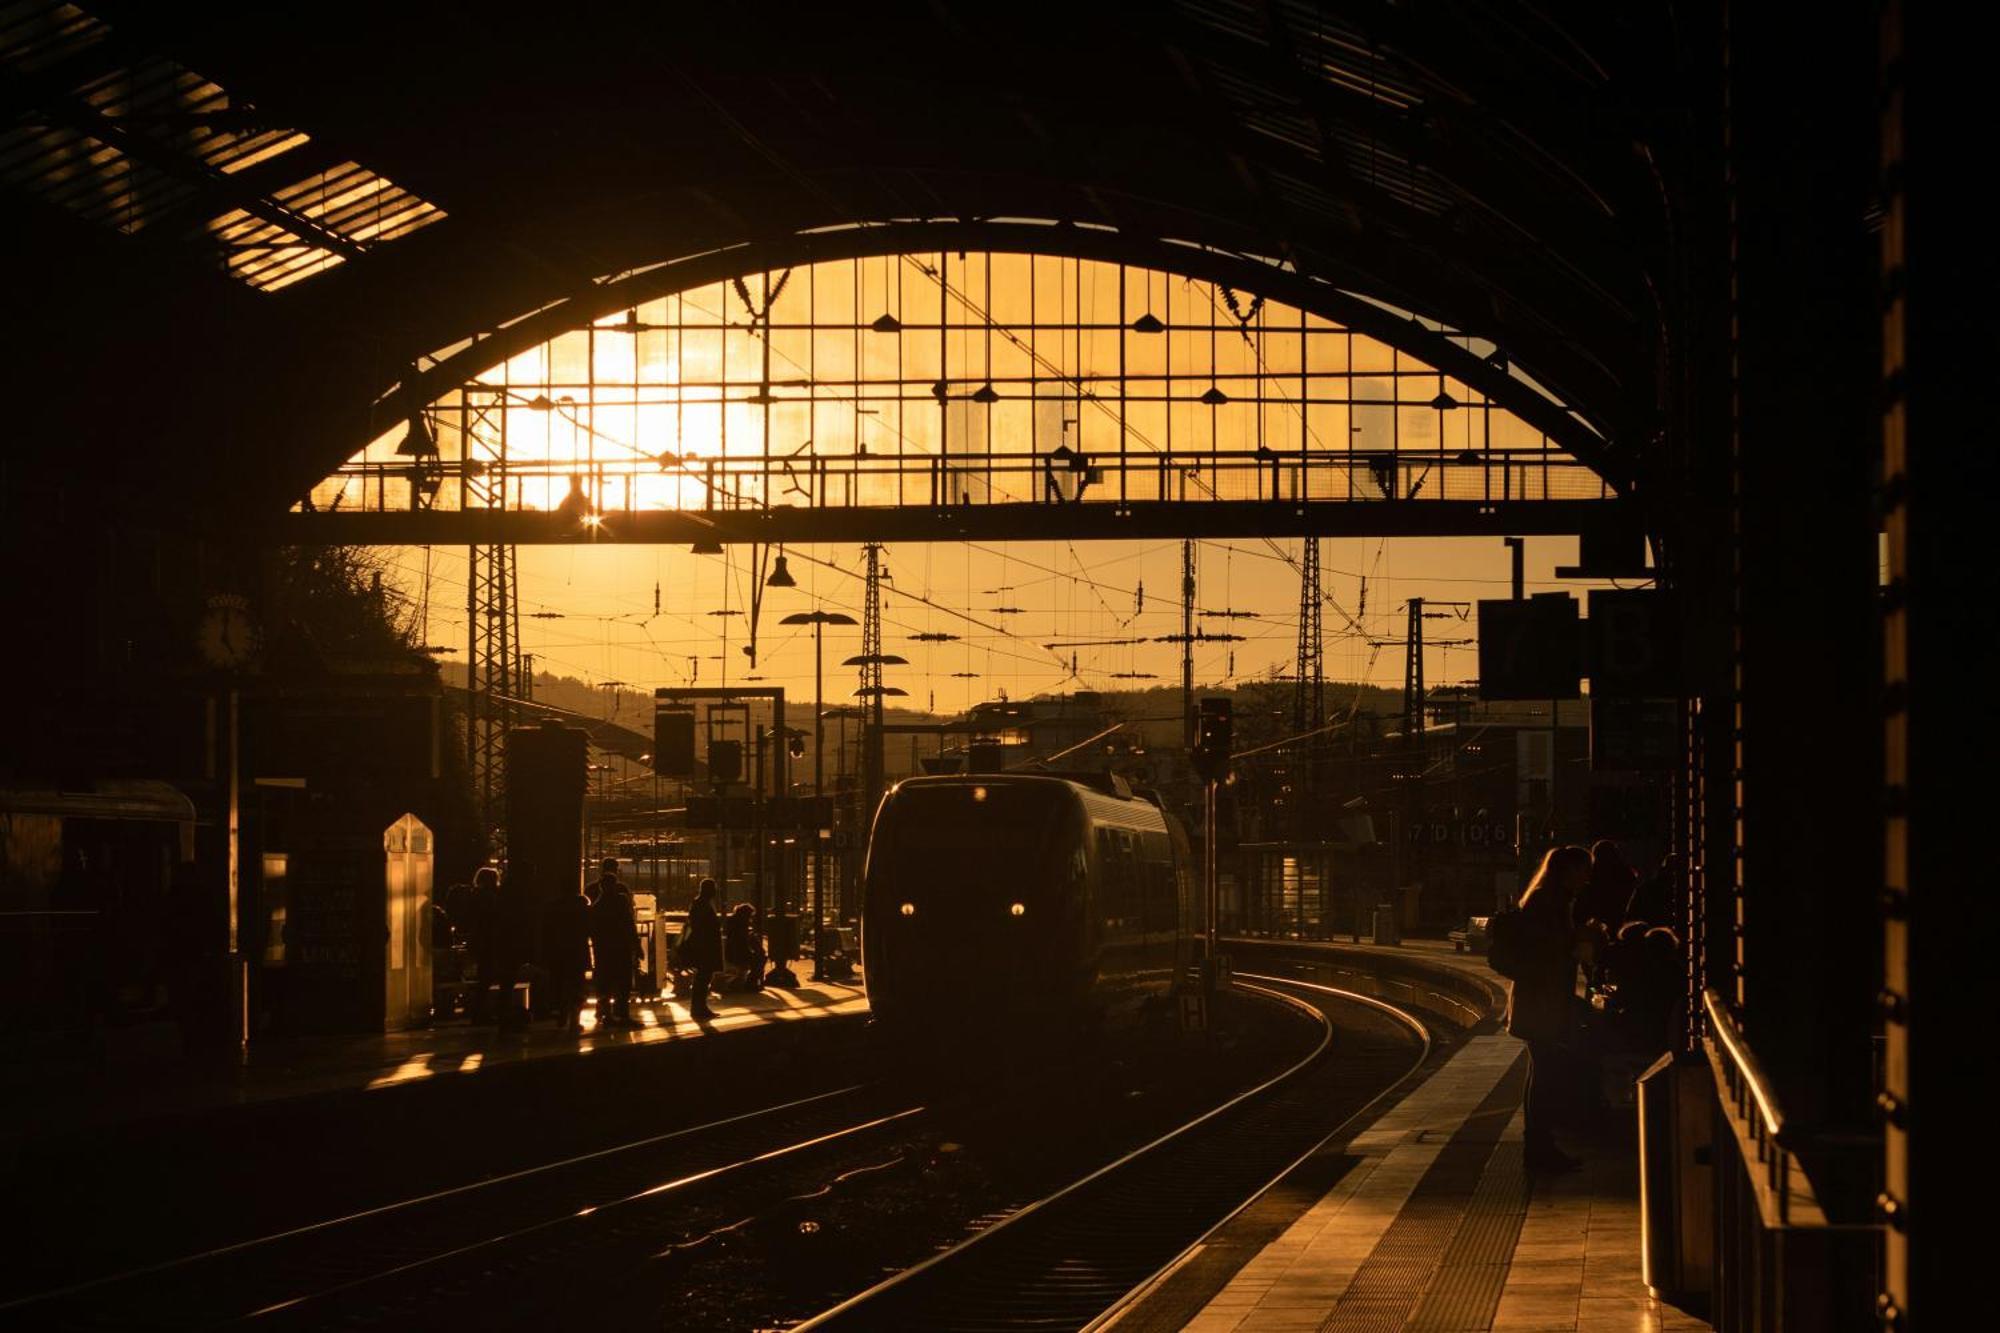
(1754, 1108)
(1780, 1262)
(867, 480)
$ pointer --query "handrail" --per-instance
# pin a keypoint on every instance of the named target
(1787, 1191)
(1724, 1026)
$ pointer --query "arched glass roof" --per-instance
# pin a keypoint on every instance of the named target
(955, 378)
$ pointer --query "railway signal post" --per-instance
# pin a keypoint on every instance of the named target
(1214, 730)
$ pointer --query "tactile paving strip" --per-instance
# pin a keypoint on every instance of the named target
(1465, 1294)
(1394, 1279)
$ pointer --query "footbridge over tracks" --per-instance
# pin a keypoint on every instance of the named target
(914, 390)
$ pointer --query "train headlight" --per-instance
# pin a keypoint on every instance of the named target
(908, 909)
(1017, 909)
(979, 793)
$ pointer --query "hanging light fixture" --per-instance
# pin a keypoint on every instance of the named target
(706, 546)
(418, 442)
(1215, 397)
(781, 577)
(986, 393)
(1148, 323)
(1444, 402)
(887, 323)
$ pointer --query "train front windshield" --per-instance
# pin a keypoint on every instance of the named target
(956, 852)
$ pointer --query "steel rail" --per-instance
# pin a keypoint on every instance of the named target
(1008, 1224)
(239, 1249)
(1336, 1134)
(592, 1211)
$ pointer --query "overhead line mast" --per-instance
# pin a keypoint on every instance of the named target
(1187, 645)
(1308, 691)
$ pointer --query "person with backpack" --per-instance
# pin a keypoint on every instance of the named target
(1534, 946)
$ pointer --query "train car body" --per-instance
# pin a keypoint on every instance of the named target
(1023, 900)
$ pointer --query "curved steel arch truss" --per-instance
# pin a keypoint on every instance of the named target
(1491, 372)
(899, 381)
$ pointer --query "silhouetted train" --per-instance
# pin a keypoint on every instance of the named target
(1024, 899)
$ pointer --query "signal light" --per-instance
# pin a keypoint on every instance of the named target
(725, 761)
(673, 742)
(1213, 738)
(909, 909)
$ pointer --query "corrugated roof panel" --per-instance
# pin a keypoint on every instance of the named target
(355, 203)
(1297, 132)
(125, 144)
(1240, 18)
(249, 150)
(264, 254)
(37, 34)
(1346, 56)
(1393, 173)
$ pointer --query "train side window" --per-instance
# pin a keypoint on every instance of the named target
(1162, 905)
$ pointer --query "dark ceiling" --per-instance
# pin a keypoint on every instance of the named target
(1509, 169)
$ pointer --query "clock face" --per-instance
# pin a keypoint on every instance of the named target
(228, 635)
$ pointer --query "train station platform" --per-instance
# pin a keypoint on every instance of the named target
(287, 1068)
(1432, 1221)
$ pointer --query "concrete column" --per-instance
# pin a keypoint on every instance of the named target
(1802, 144)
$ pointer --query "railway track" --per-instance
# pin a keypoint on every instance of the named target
(1072, 1257)
(365, 1266)
(536, 1247)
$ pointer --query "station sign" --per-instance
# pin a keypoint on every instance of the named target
(673, 742)
(1460, 833)
(1530, 648)
(1633, 735)
(1634, 646)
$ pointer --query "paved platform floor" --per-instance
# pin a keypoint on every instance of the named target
(310, 1066)
(1431, 1221)
(1436, 1226)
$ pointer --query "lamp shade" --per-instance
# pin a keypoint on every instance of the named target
(781, 577)
(418, 443)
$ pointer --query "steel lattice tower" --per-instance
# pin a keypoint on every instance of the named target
(1413, 673)
(1187, 645)
(871, 680)
(1309, 694)
(492, 624)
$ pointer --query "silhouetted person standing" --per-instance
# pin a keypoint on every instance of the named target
(1536, 948)
(739, 947)
(482, 929)
(613, 939)
(566, 953)
(1612, 881)
(703, 952)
